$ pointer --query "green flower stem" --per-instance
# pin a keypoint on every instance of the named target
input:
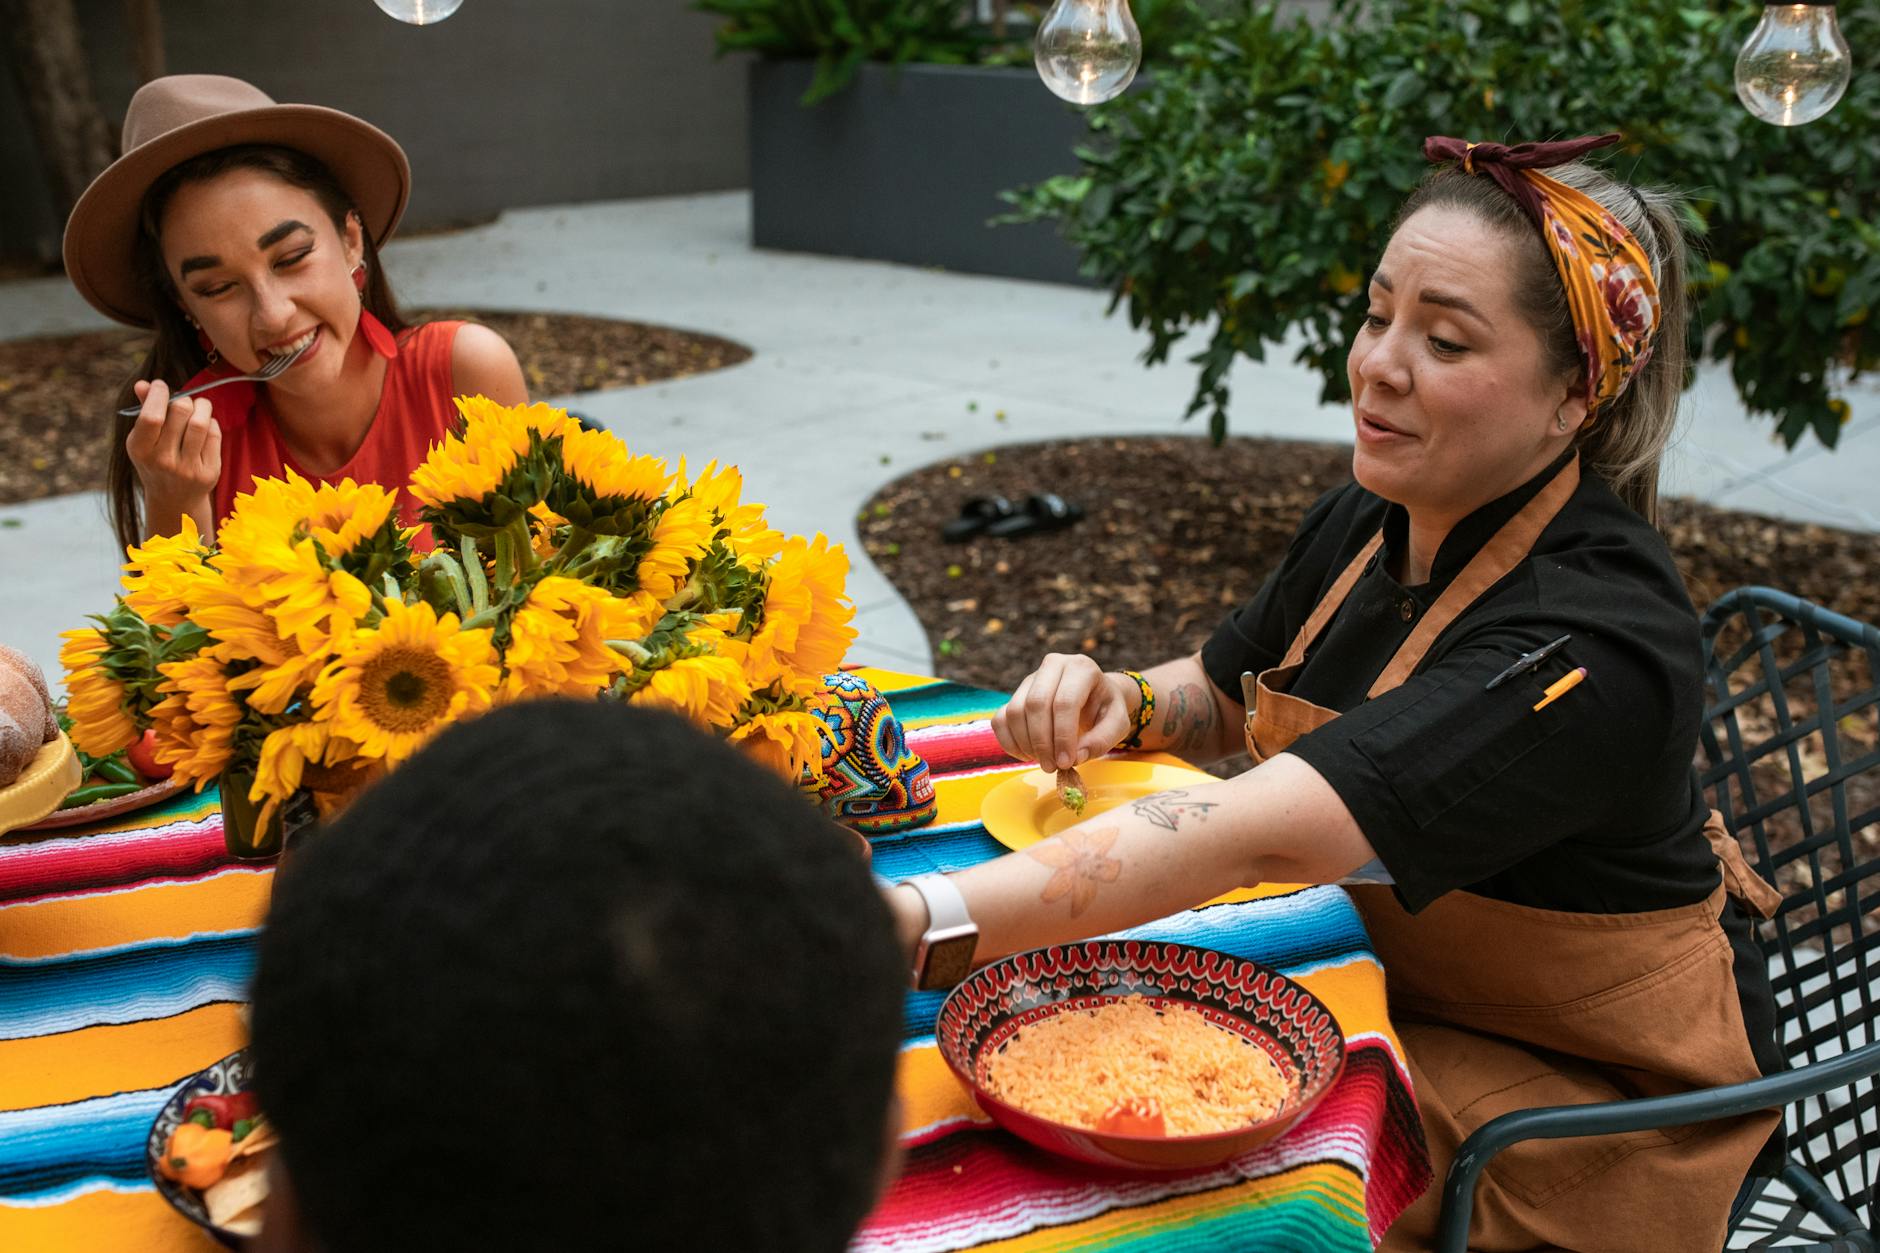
(473, 572)
(578, 539)
(522, 545)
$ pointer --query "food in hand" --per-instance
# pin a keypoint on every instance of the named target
(1071, 790)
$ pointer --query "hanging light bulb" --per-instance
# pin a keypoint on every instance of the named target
(1087, 51)
(1794, 65)
(419, 12)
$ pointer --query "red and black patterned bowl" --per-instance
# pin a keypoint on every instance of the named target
(1255, 1002)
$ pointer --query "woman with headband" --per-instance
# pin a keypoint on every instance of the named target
(1472, 689)
(239, 230)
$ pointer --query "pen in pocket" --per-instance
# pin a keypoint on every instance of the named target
(1560, 687)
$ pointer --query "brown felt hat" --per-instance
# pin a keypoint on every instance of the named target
(173, 119)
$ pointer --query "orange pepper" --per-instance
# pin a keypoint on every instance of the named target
(197, 1156)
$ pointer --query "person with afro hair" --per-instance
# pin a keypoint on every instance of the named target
(577, 976)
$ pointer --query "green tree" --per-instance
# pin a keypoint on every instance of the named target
(1252, 183)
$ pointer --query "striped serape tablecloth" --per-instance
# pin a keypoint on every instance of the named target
(1335, 1182)
(126, 949)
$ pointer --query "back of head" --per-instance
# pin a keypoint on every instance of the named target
(1625, 440)
(578, 976)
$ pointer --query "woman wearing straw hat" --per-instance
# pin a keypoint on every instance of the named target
(238, 230)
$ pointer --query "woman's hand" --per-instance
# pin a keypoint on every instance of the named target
(1065, 712)
(176, 447)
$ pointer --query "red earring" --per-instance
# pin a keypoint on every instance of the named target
(359, 278)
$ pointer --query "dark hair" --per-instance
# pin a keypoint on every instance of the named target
(175, 355)
(579, 976)
(1625, 441)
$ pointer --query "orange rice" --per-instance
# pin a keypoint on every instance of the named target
(1073, 1066)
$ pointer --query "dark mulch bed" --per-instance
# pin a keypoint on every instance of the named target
(1179, 532)
(56, 393)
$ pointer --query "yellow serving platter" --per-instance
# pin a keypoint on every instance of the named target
(1025, 808)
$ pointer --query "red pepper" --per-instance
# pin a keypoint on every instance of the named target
(226, 1110)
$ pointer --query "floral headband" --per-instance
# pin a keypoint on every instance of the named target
(1607, 275)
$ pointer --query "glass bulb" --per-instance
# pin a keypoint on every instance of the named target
(1087, 51)
(420, 12)
(1794, 65)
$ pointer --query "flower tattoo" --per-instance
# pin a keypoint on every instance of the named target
(1082, 861)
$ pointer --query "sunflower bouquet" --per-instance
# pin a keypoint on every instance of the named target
(317, 642)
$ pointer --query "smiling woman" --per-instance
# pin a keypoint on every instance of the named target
(240, 230)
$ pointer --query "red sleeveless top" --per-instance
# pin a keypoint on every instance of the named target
(415, 412)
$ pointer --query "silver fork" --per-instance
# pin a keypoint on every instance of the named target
(273, 368)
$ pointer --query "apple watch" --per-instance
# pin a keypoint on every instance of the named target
(945, 954)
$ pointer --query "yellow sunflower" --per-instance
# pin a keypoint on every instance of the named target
(681, 536)
(196, 720)
(746, 534)
(807, 612)
(96, 703)
(785, 741)
(157, 575)
(285, 756)
(346, 515)
(601, 464)
(395, 685)
(708, 690)
(267, 555)
(558, 639)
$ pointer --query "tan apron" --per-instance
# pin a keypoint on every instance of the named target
(1504, 1007)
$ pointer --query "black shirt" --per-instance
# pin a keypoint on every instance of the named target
(1588, 805)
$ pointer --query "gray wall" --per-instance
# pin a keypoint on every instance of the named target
(506, 103)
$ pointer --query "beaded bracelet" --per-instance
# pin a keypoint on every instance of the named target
(1144, 712)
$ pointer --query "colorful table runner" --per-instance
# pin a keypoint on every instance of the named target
(126, 948)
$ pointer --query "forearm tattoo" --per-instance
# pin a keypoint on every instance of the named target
(1083, 864)
(1170, 809)
(1191, 721)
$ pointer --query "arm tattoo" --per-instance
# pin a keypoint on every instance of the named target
(1169, 809)
(1191, 720)
(1082, 862)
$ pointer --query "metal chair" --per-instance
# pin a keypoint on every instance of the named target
(1793, 768)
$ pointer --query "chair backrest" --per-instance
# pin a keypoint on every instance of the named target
(1791, 757)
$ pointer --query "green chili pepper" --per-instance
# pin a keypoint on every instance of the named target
(113, 769)
(99, 792)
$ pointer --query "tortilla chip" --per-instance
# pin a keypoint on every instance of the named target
(246, 1224)
(260, 1138)
(244, 1187)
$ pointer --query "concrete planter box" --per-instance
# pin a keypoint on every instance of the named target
(907, 165)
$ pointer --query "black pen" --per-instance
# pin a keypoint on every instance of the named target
(1526, 661)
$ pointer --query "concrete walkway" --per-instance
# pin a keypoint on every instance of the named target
(862, 372)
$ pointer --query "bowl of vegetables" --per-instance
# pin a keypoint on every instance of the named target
(127, 780)
(208, 1151)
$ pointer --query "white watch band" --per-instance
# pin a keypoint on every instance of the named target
(946, 908)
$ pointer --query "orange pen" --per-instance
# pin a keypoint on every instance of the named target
(1561, 686)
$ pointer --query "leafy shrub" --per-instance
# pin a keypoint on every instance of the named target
(1251, 184)
(841, 34)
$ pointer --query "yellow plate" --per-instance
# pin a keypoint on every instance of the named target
(1025, 808)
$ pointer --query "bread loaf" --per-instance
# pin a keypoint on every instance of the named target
(26, 718)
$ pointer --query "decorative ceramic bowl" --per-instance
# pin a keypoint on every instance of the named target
(225, 1078)
(1255, 1002)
